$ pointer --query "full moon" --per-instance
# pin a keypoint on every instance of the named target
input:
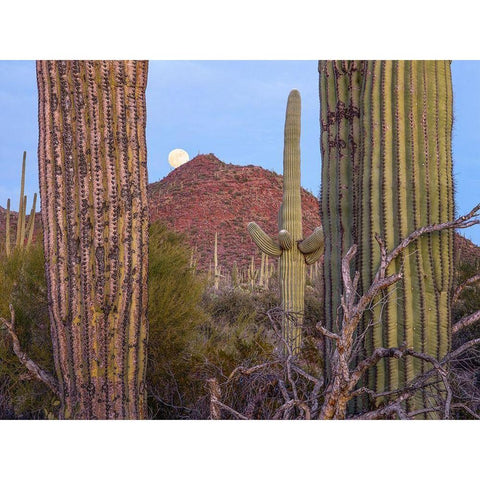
(178, 157)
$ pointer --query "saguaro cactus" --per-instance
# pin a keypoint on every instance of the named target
(292, 250)
(401, 180)
(24, 231)
(93, 185)
(407, 183)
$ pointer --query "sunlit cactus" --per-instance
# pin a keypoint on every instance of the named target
(293, 251)
(93, 188)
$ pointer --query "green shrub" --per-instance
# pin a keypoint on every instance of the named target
(175, 316)
(22, 283)
(194, 333)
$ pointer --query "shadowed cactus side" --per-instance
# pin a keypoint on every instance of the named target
(396, 179)
(293, 251)
(340, 87)
(93, 184)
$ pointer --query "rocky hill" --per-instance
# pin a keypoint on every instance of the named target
(206, 195)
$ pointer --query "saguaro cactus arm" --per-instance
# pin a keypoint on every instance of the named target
(313, 242)
(311, 258)
(7, 230)
(263, 241)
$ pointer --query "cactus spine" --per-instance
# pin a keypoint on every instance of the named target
(93, 184)
(293, 251)
(403, 182)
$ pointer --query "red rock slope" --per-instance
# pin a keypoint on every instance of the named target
(205, 196)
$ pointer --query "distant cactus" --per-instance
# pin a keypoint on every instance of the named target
(216, 266)
(93, 186)
(252, 273)
(24, 234)
(293, 251)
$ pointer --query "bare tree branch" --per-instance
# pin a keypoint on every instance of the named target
(215, 394)
(462, 287)
(301, 390)
(465, 322)
(218, 403)
(25, 360)
(464, 221)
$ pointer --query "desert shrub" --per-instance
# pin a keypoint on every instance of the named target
(195, 333)
(237, 331)
(175, 319)
(22, 284)
(241, 335)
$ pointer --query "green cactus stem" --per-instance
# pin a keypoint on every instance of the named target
(235, 275)
(340, 88)
(252, 273)
(31, 221)
(407, 183)
(21, 216)
(292, 260)
(387, 169)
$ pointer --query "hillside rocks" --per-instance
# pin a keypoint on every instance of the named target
(205, 196)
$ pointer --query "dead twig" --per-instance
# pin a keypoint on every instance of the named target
(462, 287)
(465, 322)
(25, 360)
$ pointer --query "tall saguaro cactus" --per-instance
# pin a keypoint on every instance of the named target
(93, 185)
(403, 181)
(293, 251)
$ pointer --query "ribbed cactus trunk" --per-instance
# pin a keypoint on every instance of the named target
(406, 184)
(340, 91)
(293, 252)
(93, 185)
(403, 182)
(292, 263)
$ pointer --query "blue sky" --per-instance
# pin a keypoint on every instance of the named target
(234, 109)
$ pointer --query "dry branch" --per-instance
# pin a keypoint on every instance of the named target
(466, 321)
(25, 360)
(462, 287)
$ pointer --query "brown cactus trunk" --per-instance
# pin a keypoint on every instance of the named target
(93, 184)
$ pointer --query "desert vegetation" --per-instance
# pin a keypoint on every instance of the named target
(368, 316)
